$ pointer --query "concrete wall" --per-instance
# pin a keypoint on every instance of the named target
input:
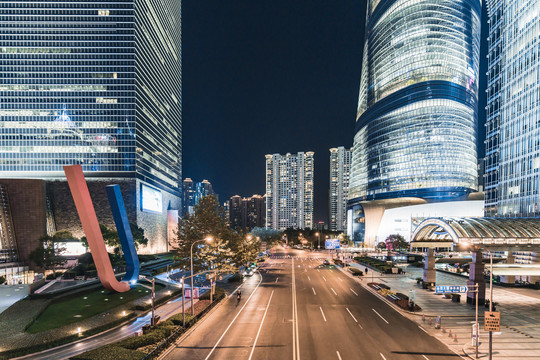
(28, 210)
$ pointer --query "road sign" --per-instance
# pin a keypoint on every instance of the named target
(492, 321)
(187, 293)
(331, 244)
(441, 289)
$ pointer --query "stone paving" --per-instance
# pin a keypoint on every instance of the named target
(519, 337)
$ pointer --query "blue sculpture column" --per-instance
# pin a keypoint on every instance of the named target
(476, 275)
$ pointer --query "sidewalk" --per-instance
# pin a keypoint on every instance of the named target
(520, 315)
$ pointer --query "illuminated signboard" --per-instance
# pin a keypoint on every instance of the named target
(332, 244)
(151, 199)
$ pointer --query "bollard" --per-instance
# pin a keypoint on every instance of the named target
(450, 333)
(444, 330)
(429, 321)
(423, 317)
(455, 338)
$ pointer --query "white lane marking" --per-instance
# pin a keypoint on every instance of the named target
(277, 279)
(324, 317)
(260, 327)
(379, 315)
(335, 293)
(338, 356)
(331, 270)
(350, 313)
(233, 320)
(324, 278)
(424, 330)
(425, 357)
(382, 356)
(340, 279)
(354, 292)
(309, 278)
(458, 354)
(318, 270)
(296, 337)
(314, 293)
(361, 327)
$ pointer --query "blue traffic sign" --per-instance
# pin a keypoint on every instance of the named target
(441, 289)
(331, 244)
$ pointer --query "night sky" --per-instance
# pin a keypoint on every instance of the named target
(263, 77)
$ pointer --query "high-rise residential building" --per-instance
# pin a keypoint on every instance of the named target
(289, 190)
(97, 84)
(416, 125)
(188, 197)
(340, 168)
(235, 212)
(202, 189)
(247, 213)
(512, 143)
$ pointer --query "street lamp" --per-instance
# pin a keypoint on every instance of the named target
(153, 288)
(208, 239)
(319, 238)
(490, 299)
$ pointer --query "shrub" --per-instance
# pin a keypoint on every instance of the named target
(356, 272)
(110, 352)
(177, 318)
(217, 295)
(154, 336)
(2, 280)
(236, 278)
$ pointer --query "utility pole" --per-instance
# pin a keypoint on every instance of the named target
(183, 304)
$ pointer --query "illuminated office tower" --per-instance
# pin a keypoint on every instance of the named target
(512, 159)
(289, 191)
(416, 125)
(95, 83)
(340, 167)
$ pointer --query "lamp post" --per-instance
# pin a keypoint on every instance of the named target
(490, 300)
(153, 281)
(183, 302)
(208, 239)
(319, 239)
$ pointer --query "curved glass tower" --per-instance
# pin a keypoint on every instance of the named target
(416, 124)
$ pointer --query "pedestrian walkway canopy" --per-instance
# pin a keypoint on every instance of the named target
(501, 234)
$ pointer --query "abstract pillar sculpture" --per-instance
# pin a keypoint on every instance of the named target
(89, 221)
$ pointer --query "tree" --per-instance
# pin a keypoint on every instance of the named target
(207, 220)
(48, 254)
(396, 242)
(271, 236)
(248, 249)
(381, 245)
(112, 239)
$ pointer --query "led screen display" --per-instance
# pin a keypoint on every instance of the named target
(151, 199)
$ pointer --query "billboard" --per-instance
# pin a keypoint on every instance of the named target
(331, 244)
(151, 199)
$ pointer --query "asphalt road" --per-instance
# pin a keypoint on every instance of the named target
(295, 310)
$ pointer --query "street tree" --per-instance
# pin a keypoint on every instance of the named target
(207, 220)
(248, 249)
(112, 239)
(396, 242)
(381, 245)
(47, 255)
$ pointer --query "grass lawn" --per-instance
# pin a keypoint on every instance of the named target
(84, 305)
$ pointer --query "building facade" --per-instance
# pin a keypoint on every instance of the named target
(247, 213)
(289, 191)
(96, 84)
(512, 143)
(340, 169)
(416, 125)
(202, 189)
(188, 197)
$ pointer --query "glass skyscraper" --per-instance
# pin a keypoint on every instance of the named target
(416, 126)
(512, 160)
(92, 83)
(96, 83)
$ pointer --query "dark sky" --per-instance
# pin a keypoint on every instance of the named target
(264, 77)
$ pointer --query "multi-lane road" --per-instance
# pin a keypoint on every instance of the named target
(295, 309)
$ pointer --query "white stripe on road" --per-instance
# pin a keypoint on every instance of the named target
(354, 292)
(324, 278)
(324, 317)
(380, 315)
(350, 313)
(425, 357)
(382, 356)
(277, 279)
(335, 293)
(233, 320)
(314, 293)
(338, 356)
(424, 330)
(260, 327)
(309, 278)
(318, 270)
(340, 279)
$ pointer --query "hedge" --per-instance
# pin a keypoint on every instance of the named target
(110, 352)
